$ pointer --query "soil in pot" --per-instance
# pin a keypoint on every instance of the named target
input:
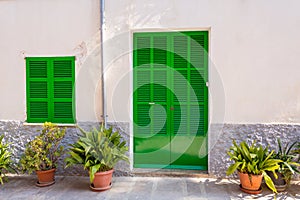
(250, 182)
(102, 181)
(45, 177)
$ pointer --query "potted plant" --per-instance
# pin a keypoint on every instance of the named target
(98, 151)
(42, 153)
(252, 162)
(5, 160)
(297, 152)
(287, 167)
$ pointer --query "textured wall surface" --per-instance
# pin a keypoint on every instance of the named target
(243, 43)
(220, 141)
(265, 134)
(18, 135)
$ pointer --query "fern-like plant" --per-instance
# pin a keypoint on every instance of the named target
(254, 160)
(98, 150)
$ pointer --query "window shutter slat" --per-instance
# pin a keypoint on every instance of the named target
(39, 111)
(62, 68)
(38, 89)
(63, 89)
(63, 110)
(37, 69)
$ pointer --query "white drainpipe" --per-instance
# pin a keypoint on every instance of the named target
(104, 110)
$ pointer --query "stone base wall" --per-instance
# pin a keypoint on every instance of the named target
(220, 140)
(221, 137)
(18, 134)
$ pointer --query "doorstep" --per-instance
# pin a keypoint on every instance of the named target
(149, 172)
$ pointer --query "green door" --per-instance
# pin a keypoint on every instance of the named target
(170, 100)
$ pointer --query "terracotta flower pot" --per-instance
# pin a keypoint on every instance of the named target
(102, 180)
(250, 181)
(280, 183)
(45, 177)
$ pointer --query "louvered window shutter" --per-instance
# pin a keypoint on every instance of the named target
(63, 82)
(37, 90)
(50, 89)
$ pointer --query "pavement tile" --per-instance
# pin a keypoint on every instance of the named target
(137, 188)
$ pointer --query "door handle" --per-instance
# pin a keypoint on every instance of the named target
(151, 103)
(171, 108)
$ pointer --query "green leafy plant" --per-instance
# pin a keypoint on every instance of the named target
(97, 150)
(297, 152)
(5, 160)
(43, 151)
(287, 155)
(254, 160)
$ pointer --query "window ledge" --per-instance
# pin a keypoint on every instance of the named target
(41, 124)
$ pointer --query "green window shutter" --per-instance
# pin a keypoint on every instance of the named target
(63, 90)
(50, 89)
(37, 89)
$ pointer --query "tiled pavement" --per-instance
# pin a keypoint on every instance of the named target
(144, 188)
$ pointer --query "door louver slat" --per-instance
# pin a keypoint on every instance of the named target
(160, 51)
(180, 52)
(160, 86)
(198, 86)
(197, 51)
(143, 51)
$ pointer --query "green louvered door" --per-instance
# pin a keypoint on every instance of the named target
(152, 148)
(170, 100)
(50, 89)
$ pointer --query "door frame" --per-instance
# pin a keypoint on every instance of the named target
(131, 47)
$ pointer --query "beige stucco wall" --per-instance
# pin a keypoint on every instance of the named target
(49, 28)
(254, 52)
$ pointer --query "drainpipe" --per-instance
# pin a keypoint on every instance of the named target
(104, 111)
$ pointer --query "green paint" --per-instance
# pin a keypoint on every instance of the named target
(170, 100)
(50, 89)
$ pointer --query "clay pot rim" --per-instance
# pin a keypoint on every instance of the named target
(250, 174)
(45, 171)
(105, 172)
